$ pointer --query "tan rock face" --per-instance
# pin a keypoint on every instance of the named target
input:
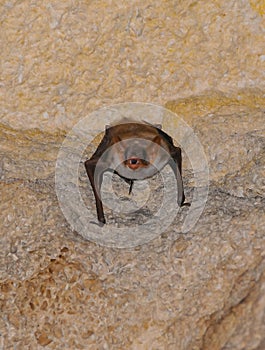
(199, 290)
(57, 288)
(60, 61)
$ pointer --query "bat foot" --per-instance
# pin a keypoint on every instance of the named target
(185, 204)
(101, 221)
(100, 224)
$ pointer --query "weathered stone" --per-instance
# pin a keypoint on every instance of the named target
(61, 61)
(211, 278)
(199, 290)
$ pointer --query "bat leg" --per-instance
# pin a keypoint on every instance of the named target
(176, 165)
(128, 181)
(96, 178)
(131, 186)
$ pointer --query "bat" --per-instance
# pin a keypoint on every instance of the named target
(134, 151)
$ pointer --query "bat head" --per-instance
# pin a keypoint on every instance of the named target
(137, 158)
(134, 154)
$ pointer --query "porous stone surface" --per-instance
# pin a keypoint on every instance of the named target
(200, 290)
(63, 59)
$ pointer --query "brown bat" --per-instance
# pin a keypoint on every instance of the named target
(134, 151)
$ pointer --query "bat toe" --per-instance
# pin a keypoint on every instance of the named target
(101, 221)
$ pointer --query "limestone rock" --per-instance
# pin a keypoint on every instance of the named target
(200, 290)
(204, 289)
(62, 60)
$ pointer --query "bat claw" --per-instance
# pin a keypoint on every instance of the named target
(101, 221)
(100, 224)
(185, 204)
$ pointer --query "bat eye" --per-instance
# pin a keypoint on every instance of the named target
(133, 163)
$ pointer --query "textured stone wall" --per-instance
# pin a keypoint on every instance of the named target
(63, 59)
(204, 289)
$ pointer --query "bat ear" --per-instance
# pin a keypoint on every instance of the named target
(157, 140)
(107, 127)
(119, 148)
(153, 148)
(116, 139)
(119, 144)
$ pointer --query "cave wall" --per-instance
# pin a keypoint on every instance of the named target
(61, 61)
(64, 59)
